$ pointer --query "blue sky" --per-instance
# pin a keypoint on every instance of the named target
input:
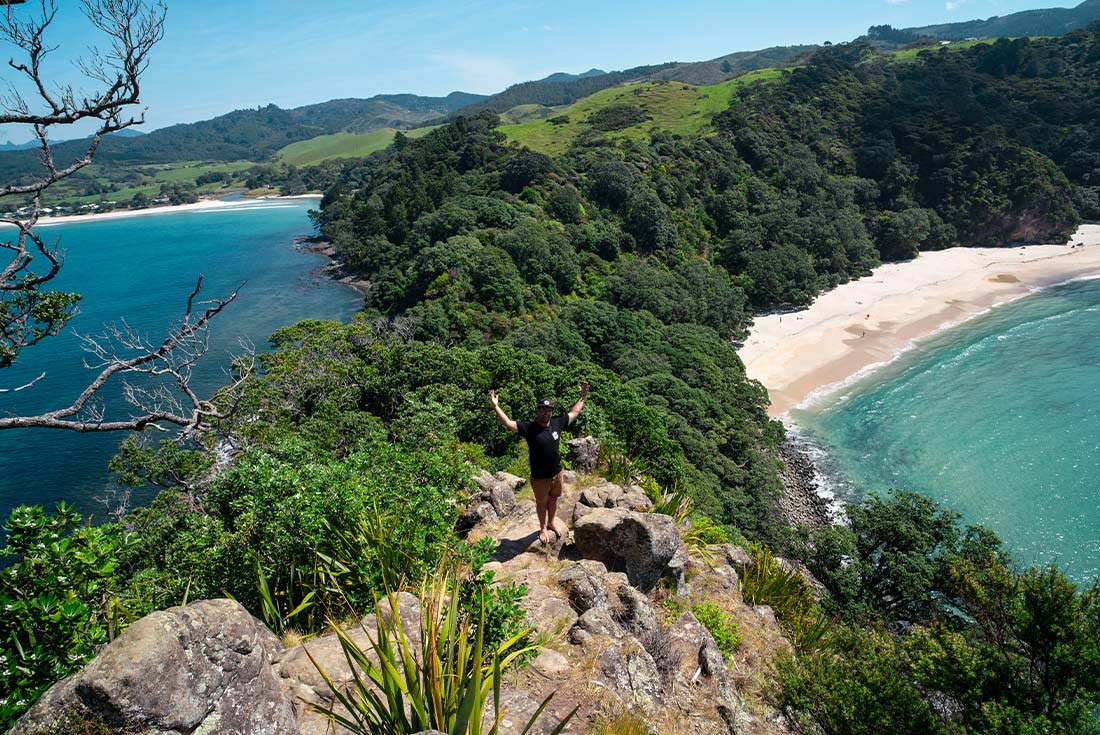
(221, 55)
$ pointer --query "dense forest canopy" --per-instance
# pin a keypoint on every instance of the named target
(648, 257)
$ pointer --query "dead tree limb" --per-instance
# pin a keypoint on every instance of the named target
(29, 313)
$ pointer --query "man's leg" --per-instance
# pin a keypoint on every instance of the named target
(541, 489)
(551, 510)
(541, 508)
(552, 505)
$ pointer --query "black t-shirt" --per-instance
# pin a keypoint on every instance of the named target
(542, 445)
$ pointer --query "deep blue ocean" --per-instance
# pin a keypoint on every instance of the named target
(141, 269)
(998, 419)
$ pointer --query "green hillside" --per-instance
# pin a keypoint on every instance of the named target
(674, 107)
(910, 54)
(527, 113)
(341, 145)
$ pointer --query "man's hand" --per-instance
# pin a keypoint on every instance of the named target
(494, 401)
(576, 410)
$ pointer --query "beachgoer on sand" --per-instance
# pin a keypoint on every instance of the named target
(543, 437)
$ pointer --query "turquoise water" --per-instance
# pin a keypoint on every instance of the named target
(142, 269)
(999, 419)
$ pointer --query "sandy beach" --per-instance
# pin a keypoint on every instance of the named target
(856, 327)
(200, 206)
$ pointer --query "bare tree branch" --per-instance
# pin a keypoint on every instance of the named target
(173, 358)
(155, 378)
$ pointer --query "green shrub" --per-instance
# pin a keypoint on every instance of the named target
(504, 618)
(725, 631)
(60, 599)
(617, 117)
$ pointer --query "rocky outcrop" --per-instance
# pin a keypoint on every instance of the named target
(583, 453)
(607, 495)
(612, 641)
(203, 668)
(646, 546)
(495, 498)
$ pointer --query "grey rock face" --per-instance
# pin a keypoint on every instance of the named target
(495, 498)
(205, 667)
(584, 454)
(596, 622)
(607, 495)
(635, 613)
(584, 588)
(646, 546)
(631, 670)
(475, 513)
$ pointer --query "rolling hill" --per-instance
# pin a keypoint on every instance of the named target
(1044, 22)
(253, 134)
(631, 111)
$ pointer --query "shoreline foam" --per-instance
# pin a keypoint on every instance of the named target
(862, 326)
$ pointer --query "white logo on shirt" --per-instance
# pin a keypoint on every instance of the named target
(555, 435)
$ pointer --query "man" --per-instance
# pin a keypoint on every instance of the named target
(543, 436)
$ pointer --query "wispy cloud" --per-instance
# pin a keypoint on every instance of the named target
(954, 4)
(896, 2)
(551, 29)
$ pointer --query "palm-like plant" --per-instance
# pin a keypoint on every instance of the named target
(444, 686)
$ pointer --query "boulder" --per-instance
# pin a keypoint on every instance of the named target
(301, 675)
(551, 664)
(583, 454)
(608, 495)
(736, 557)
(693, 647)
(518, 708)
(475, 513)
(205, 667)
(634, 613)
(545, 610)
(583, 586)
(629, 669)
(495, 498)
(595, 623)
(646, 546)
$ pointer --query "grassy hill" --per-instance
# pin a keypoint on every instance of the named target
(722, 68)
(252, 134)
(674, 107)
(342, 145)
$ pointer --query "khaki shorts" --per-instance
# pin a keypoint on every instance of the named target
(549, 487)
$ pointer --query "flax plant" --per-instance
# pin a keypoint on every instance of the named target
(445, 685)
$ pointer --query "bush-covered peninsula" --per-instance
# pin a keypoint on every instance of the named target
(633, 260)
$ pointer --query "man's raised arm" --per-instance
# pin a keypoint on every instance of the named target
(503, 417)
(576, 410)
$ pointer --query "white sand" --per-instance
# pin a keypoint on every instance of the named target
(803, 355)
(201, 206)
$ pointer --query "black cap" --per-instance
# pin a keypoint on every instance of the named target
(546, 402)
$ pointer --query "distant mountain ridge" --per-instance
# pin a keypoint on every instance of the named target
(256, 134)
(550, 93)
(1043, 22)
(253, 134)
(562, 76)
(9, 146)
